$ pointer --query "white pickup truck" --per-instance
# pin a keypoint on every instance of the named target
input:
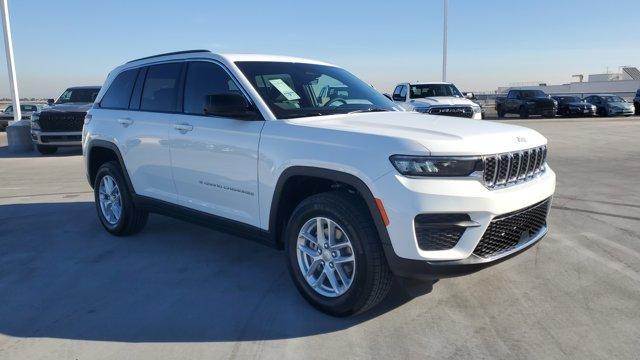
(304, 156)
(436, 98)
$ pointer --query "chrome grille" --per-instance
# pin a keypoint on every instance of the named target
(507, 169)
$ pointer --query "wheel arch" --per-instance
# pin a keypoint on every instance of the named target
(101, 151)
(281, 208)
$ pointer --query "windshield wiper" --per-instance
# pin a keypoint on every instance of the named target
(371, 109)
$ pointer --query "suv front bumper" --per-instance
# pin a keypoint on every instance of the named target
(404, 198)
(57, 138)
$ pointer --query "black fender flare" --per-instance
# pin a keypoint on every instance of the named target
(332, 175)
(114, 148)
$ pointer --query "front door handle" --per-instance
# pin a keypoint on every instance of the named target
(125, 121)
(183, 127)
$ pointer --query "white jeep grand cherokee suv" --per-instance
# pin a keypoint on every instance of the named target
(353, 189)
(435, 98)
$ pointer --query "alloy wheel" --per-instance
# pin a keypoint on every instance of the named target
(326, 257)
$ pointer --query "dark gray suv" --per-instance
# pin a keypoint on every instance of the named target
(636, 102)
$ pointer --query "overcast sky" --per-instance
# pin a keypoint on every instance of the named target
(491, 43)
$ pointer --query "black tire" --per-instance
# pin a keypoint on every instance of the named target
(46, 150)
(372, 279)
(524, 114)
(500, 113)
(637, 105)
(132, 218)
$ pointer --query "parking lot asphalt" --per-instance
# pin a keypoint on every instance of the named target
(68, 290)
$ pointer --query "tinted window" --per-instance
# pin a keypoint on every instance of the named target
(160, 91)
(205, 78)
(397, 90)
(119, 93)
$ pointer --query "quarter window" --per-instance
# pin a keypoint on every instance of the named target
(204, 79)
(160, 91)
(119, 93)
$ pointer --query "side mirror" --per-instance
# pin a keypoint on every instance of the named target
(388, 96)
(50, 102)
(470, 96)
(230, 105)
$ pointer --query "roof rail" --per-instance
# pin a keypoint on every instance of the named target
(170, 53)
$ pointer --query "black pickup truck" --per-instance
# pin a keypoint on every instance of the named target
(525, 103)
(636, 102)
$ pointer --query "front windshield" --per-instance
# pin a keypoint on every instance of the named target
(87, 95)
(297, 89)
(433, 90)
(613, 99)
(531, 94)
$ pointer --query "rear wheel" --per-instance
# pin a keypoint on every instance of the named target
(46, 150)
(335, 256)
(114, 202)
(500, 113)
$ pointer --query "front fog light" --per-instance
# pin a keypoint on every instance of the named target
(436, 166)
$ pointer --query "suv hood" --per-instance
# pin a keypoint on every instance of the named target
(68, 107)
(442, 101)
(440, 135)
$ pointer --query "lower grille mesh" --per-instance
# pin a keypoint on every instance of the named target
(439, 231)
(507, 231)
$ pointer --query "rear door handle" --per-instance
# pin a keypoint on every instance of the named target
(183, 127)
(125, 121)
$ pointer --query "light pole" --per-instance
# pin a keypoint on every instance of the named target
(8, 47)
(444, 42)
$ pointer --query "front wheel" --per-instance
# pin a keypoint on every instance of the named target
(335, 256)
(114, 202)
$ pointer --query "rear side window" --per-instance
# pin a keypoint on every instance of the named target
(203, 79)
(160, 92)
(119, 93)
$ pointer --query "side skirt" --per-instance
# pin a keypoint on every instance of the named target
(214, 222)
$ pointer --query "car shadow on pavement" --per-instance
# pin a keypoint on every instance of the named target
(63, 276)
(63, 151)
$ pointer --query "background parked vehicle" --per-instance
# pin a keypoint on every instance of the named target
(60, 124)
(526, 103)
(436, 98)
(636, 102)
(611, 105)
(574, 106)
(7, 114)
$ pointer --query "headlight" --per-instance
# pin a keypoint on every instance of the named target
(438, 166)
(476, 109)
(35, 125)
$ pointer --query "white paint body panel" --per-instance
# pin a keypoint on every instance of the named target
(238, 158)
